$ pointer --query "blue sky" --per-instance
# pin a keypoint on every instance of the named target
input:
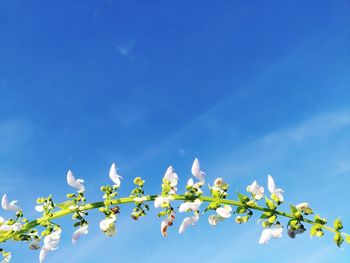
(249, 88)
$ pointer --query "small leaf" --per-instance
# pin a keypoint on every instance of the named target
(65, 204)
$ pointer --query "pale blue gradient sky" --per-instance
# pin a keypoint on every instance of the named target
(248, 88)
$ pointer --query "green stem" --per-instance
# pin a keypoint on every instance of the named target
(126, 200)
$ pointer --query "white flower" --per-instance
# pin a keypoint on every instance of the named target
(171, 176)
(218, 182)
(190, 182)
(273, 190)
(2, 220)
(214, 219)
(114, 176)
(196, 171)
(108, 225)
(14, 227)
(140, 199)
(304, 207)
(187, 222)
(35, 244)
(50, 243)
(7, 259)
(190, 206)
(225, 211)
(83, 230)
(9, 206)
(162, 200)
(39, 208)
(256, 190)
(168, 221)
(76, 183)
(268, 233)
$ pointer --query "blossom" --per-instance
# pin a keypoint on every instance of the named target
(214, 219)
(83, 230)
(171, 176)
(304, 207)
(196, 171)
(114, 176)
(187, 222)
(9, 206)
(268, 233)
(14, 227)
(108, 225)
(39, 208)
(50, 243)
(277, 192)
(162, 201)
(225, 211)
(76, 183)
(190, 206)
(168, 221)
(256, 190)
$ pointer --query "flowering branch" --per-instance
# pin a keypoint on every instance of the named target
(20, 229)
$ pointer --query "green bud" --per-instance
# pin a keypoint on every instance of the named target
(265, 224)
(213, 205)
(270, 204)
(241, 219)
(40, 200)
(163, 213)
(252, 203)
(316, 231)
(294, 224)
(215, 193)
(243, 198)
(103, 188)
(338, 239)
(138, 181)
(76, 224)
(241, 210)
(320, 220)
(272, 219)
(338, 224)
(298, 215)
(70, 195)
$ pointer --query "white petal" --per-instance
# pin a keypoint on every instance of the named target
(4, 202)
(43, 253)
(187, 222)
(196, 171)
(83, 230)
(214, 219)
(271, 184)
(265, 236)
(276, 232)
(302, 206)
(184, 207)
(39, 208)
(190, 182)
(1, 220)
(9, 206)
(114, 176)
(225, 211)
(171, 176)
(76, 183)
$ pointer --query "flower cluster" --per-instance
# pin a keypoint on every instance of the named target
(18, 228)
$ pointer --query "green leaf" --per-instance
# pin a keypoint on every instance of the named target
(270, 204)
(338, 239)
(65, 204)
(293, 209)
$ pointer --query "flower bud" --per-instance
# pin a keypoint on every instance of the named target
(338, 224)
(272, 219)
(338, 239)
(40, 200)
(70, 195)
